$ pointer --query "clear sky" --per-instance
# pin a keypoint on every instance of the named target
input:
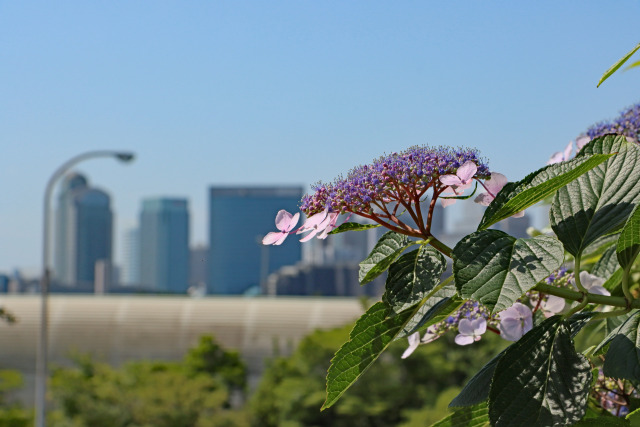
(287, 92)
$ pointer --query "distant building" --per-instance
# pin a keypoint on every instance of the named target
(198, 265)
(239, 217)
(83, 232)
(338, 279)
(131, 257)
(164, 245)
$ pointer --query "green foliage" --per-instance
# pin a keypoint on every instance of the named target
(623, 356)
(194, 393)
(12, 414)
(394, 391)
(535, 187)
(384, 253)
(628, 245)
(353, 226)
(371, 335)
(600, 201)
(472, 416)
(496, 269)
(412, 276)
(436, 309)
(619, 63)
(540, 380)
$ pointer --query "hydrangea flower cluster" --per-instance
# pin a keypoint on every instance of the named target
(391, 186)
(472, 320)
(398, 178)
(627, 124)
(613, 395)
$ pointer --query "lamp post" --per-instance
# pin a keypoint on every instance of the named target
(42, 355)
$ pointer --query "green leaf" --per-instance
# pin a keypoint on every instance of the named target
(412, 276)
(633, 65)
(603, 421)
(473, 416)
(607, 264)
(540, 380)
(628, 245)
(388, 248)
(613, 324)
(517, 196)
(370, 336)
(634, 417)
(496, 269)
(623, 357)
(435, 310)
(617, 65)
(353, 226)
(476, 390)
(601, 200)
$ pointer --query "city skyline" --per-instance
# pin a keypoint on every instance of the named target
(288, 93)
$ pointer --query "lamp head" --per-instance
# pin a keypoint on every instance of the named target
(125, 157)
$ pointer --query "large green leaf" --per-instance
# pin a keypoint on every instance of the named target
(353, 226)
(472, 416)
(617, 65)
(517, 196)
(600, 201)
(412, 276)
(370, 336)
(476, 390)
(496, 269)
(540, 380)
(388, 248)
(603, 421)
(623, 357)
(607, 264)
(628, 245)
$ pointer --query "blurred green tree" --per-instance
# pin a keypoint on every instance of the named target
(393, 392)
(194, 393)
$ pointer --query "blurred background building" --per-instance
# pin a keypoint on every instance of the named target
(239, 217)
(83, 233)
(164, 245)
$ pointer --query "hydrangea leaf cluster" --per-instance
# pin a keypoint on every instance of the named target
(530, 291)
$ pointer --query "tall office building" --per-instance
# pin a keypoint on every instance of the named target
(239, 217)
(83, 232)
(164, 245)
(131, 257)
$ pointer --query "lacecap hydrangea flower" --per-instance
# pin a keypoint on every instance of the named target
(391, 186)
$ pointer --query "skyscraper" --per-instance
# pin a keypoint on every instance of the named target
(83, 232)
(164, 245)
(239, 217)
(131, 257)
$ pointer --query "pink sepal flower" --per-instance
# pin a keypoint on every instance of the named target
(515, 321)
(414, 342)
(581, 141)
(561, 156)
(458, 182)
(285, 223)
(493, 186)
(470, 330)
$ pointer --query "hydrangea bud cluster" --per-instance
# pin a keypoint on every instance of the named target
(627, 124)
(613, 395)
(393, 182)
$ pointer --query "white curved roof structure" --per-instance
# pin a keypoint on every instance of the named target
(116, 329)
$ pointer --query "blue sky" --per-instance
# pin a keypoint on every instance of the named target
(287, 92)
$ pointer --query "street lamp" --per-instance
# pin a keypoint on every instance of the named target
(41, 359)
